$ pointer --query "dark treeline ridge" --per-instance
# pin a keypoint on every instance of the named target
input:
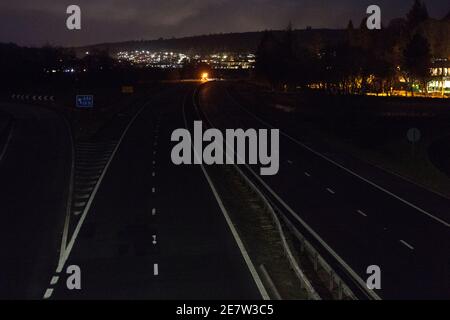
(360, 61)
(206, 44)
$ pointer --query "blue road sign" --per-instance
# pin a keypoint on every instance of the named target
(85, 101)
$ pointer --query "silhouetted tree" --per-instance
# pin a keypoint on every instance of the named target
(267, 59)
(447, 17)
(417, 59)
(350, 25)
(417, 15)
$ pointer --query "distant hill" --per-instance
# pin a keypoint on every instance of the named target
(436, 31)
(230, 42)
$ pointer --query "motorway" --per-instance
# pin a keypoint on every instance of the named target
(139, 227)
(365, 215)
(152, 230)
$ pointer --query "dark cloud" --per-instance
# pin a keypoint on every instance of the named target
(31, 22)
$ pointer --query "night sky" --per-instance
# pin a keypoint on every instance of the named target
(37, 22)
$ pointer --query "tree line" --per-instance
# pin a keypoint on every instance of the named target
(363, 61)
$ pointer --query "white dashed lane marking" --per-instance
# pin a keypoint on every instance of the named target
(307, 174)
(331, 191)
(406, 244)
(362, 213)
(48, 293)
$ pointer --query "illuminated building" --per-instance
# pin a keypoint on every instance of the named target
(440, 78)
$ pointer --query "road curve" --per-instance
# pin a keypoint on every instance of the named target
(155, 230)
(34, 176)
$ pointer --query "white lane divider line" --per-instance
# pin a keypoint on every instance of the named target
(154, 162)
(153, 190)
(153, 173)
(406, 244)
(154, 239)
(48, 293)
(362, 213)
(307, 174)
(290, 162)
(154, 212)
(331, 191)
(155, 269)
(54, 280)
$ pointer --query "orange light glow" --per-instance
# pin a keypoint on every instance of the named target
(205, 76)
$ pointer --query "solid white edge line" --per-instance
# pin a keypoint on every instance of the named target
(248, 261)
(69, 199)
(341, 166)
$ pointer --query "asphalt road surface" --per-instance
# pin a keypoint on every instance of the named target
(153, 230)
(140, 227)
(35, 158)
(366, 215)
